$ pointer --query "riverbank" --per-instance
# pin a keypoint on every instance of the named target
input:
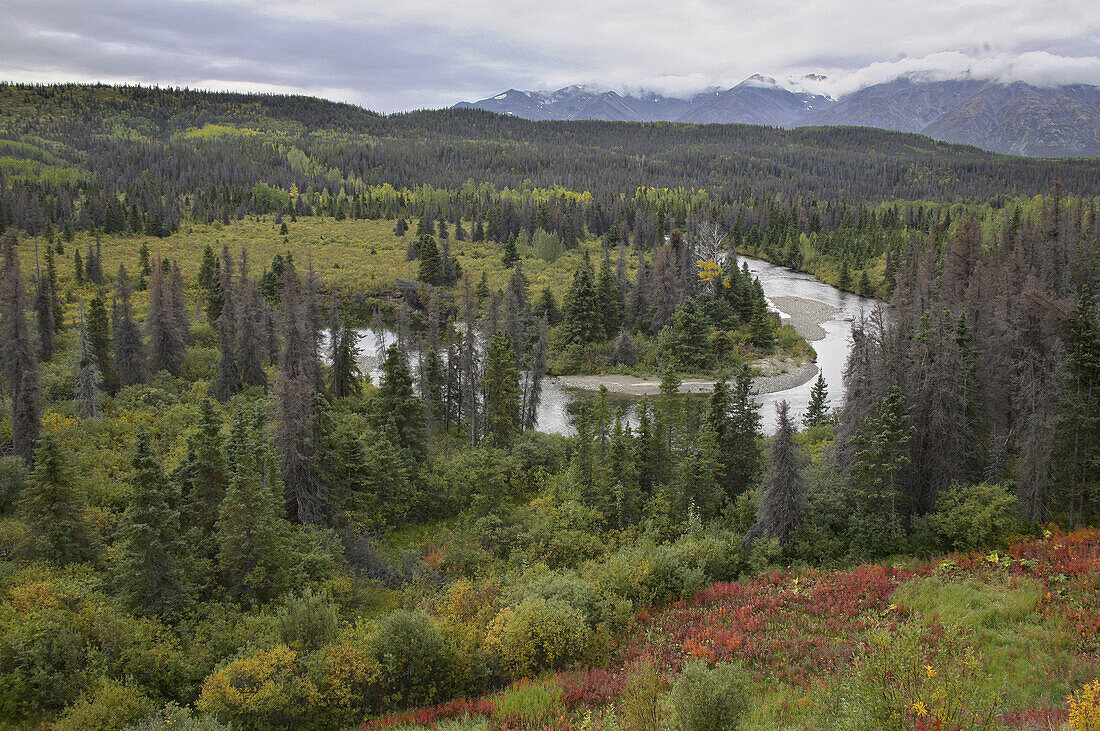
(806, 315)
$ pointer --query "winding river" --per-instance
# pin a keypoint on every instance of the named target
(832, 343)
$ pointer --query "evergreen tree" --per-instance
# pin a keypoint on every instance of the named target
(881, 453)
(93, 267)
(254, 560)
(431, 266)
(582, 321)
(57, 306)
(780, 511)
(623, 352)
(817, 412)
(396, 407)
(608, 299)
(547, 306)
(78, 267)
(344, 356)
(511, 253)
(687, 339)
(741, 450)
(166, 342)
(58, 529)
(1079, 416)
(86, 391)
(228, 381)
(17, 356)
(129, 348)
(151, 573)
(43, 309)
(500, 385)
(99, 341)
(251, 347)
(697, 476)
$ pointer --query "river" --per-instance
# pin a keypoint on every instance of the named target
(832, 345)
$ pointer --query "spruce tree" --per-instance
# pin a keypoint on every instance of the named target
(396, 406)
(253, 559)
(582, 321)
(780, 511)
(431, 266)
(43, 309)
(78, 267)
(251, 347)
(99, 340)
(881, 453)
(817, 412)
(742, 447)
(500, 384)
(129, 348)
(511, 253)
(86, 390)
(151, 574)
(18, 363)
(166, 342)
(58, 529)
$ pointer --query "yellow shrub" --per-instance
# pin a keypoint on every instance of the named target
(538, 633)
(258, 691)
(1084, 708)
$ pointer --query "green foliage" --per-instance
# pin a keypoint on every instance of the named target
(530, 704)
(500, 385)
(56, 517)
(538, 634)
(904, 677)
(13, 478)
(641, 703)
(969, 517)
(110, 707)
(709, 698)
(307, 621)
(413, 658)
(151, 573)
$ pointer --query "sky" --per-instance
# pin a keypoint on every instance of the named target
(408, 54)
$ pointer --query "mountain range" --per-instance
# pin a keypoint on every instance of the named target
(1012, 118)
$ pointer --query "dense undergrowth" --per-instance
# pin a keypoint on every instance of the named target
(973, 640)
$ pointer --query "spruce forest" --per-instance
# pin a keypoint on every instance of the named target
(273, 448)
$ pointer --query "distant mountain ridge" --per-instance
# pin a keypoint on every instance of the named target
(1011, 118)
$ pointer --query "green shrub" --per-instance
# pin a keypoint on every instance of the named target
(709, 698)
(640, 703)
(110, 707)
(13, 477)
(537, 634)
(174, 718)
(414, 661)
(307, 621)
(904, 677)
(968, 517)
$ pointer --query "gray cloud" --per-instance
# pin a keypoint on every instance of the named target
(425, 53)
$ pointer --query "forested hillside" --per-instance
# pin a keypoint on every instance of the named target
(210, 517)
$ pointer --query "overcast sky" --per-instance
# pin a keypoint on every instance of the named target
(405, 54)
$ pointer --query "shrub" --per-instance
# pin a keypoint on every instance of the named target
(175, 718)
(414, 661)
(307, 621)
(257, 691)
(640, 703)
(537, 634)
(110, 707)
(1084, 708)
(709, 699)
(906, 678)
(968, 517)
